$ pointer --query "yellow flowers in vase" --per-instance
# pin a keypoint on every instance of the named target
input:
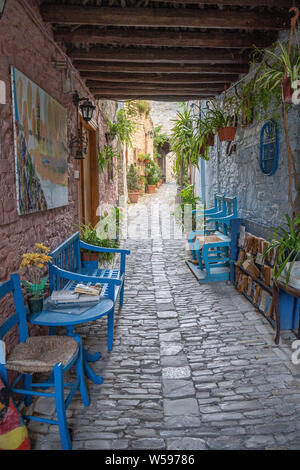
(35, 262)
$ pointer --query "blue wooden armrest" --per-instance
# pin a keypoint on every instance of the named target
(102, 249)
(62, 273)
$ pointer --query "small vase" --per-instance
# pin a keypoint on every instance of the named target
(35, 305)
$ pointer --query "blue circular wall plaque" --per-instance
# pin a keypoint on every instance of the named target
(269, 146)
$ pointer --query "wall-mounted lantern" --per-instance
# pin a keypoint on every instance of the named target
(80, 143)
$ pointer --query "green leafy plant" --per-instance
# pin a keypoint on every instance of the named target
(136, 107)
(159, 139)
(154, 173)
(106, 155)
(187, 197)
(142, 157)
(133, 179)
(286, 243)
(122, 127)
(96, 236)
(186, 142)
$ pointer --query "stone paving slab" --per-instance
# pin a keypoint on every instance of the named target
(193, 366)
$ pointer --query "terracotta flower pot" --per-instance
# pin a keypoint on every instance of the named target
(147, 161)
(227, 133)
(86, 256)
(287, 90)
(151, 188)
(210, 140)
(134, 196)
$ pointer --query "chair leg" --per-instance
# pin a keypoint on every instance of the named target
(80, 373)
(28, 386)
(110, 330)
(122, 294)
(60, 407)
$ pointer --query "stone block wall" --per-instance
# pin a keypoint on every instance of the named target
(261, 198)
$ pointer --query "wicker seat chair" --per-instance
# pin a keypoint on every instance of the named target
(53, 355)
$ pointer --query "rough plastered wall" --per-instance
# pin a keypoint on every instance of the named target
(25, 42)
(142, 138)
(163, 114)
(261, 198)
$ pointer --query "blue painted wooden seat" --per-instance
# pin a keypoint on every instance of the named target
(215, 253)
(54, 355)
(67, 269)
(220, 220)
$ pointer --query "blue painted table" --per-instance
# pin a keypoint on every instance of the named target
(55, 317)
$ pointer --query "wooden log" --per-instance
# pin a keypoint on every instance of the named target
(215, 39)
(240, 3)
(160, 78)
(137, 92)
(180, 55)
(136, 68)
(157, 17)
(95, 85)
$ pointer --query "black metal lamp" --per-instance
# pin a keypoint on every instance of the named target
(2, 5)
(87, 108)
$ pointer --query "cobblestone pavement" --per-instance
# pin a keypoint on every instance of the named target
(193, 366)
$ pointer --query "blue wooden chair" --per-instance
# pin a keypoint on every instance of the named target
(53, 355)
(219, 210)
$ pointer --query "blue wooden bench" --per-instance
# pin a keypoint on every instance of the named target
(213, 248)
(66, 270)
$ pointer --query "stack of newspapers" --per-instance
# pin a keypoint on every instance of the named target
(83, 294)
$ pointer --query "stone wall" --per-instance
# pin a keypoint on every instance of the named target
(163, 114)
(26, 43)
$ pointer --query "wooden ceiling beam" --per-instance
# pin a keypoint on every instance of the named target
(168, 98)
(138, 68)
(175, 78)
(214, 39)
(66, 14)
(240, 3)
(94, 85)
(155, 92)
(180, 55)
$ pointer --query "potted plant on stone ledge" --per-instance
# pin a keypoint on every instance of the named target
(133, 184)
(35, 264)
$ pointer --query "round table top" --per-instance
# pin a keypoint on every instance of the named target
(77, 315)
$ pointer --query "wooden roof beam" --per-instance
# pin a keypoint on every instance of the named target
(175, 78)
(123, 91)
(94, 85)
(240, 3)
(180, 55)
(162, 67)
(214, 39)
(177, 17)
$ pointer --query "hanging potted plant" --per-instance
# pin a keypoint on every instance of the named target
(280, 70)
(133, 184)
(222, 118)
(35, 263)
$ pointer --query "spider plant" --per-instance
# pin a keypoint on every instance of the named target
(278, 66)
(286, 242)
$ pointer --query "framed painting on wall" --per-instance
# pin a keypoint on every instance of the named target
(41, 153)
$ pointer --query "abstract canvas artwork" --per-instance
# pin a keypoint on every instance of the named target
(41, 154)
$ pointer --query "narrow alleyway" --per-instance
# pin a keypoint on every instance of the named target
(193, 367)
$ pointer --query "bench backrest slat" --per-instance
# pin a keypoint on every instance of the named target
(66, 256)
